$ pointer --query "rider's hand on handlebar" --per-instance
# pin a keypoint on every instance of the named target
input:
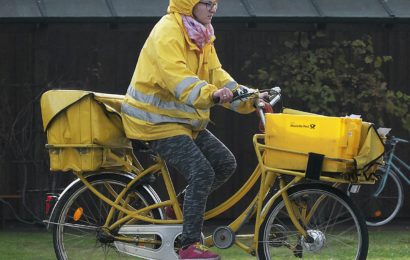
(224, 95)
(264, 96)
(263, 101)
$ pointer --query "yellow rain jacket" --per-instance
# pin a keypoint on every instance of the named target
(171, 90)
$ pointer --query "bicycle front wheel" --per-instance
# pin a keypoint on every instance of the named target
(379, 209)
(80, 215)
(334, 226)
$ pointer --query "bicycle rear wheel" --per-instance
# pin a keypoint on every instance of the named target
(381, 209)
(79, 216)
(331, 220)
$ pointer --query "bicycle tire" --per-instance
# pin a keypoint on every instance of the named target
(337, 228)
(88, 242)
(382, 209)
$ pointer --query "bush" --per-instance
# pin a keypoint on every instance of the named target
(336, 78)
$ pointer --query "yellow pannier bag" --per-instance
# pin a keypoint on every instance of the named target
(348, 144)
(371, 150)
(84, 130)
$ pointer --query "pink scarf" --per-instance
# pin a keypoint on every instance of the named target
(197, 32)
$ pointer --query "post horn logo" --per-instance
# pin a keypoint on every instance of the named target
(310, 126)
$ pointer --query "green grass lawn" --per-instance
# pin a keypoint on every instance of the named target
(32, 245)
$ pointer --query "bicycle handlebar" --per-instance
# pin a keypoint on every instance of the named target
(273, 97)
(395, 140)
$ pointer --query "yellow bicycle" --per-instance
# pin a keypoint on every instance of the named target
(111, 210)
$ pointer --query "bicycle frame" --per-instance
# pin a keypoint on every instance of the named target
(267, 175)
(129, 215)
(393, 164)
(398, 161)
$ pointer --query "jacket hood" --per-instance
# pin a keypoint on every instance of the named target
(183, 7)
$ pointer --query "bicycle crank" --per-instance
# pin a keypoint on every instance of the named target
(165, 234)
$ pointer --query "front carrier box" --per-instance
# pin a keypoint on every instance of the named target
(293, 136)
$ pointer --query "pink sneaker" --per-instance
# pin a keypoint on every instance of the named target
(197, 252)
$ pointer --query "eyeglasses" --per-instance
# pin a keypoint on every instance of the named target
(210, 5)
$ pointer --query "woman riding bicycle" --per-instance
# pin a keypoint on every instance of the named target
(177, 79)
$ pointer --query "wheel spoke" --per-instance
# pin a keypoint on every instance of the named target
(79, 235)
(329, 219)
(381, 209)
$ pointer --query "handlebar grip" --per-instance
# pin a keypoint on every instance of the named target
(275, 100)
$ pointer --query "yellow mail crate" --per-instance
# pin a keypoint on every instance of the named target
(83, 132)
(294, 136)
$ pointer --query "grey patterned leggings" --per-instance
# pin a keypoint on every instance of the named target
(206, 163)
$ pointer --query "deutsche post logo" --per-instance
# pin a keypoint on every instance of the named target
(309, 126)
